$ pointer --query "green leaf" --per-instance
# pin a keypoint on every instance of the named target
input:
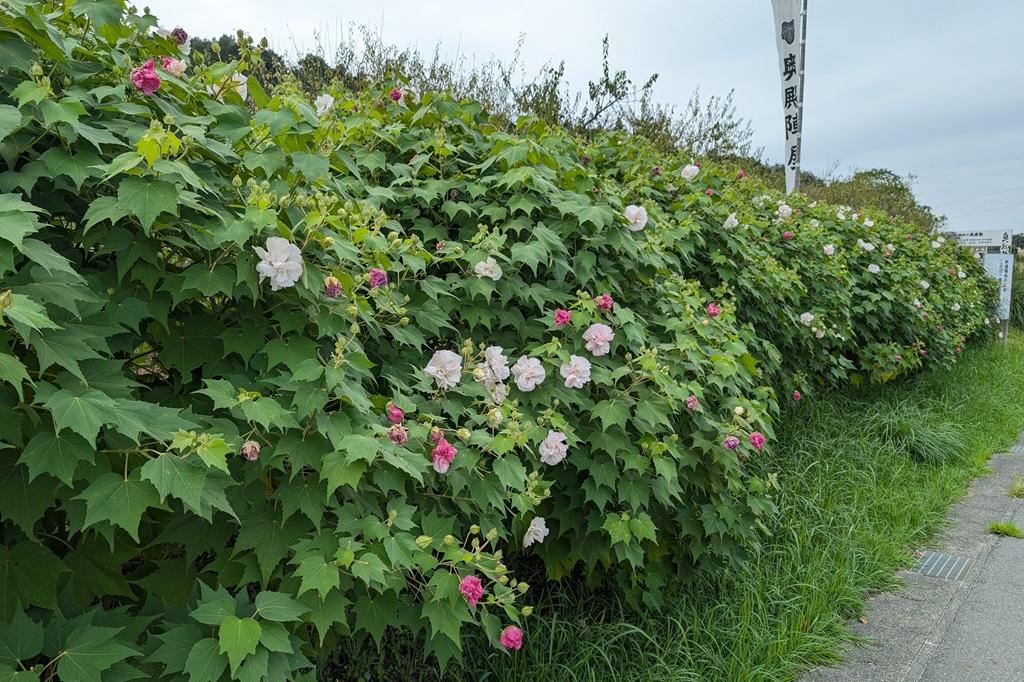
(119, 500)
(214, 452)
(276, 638)
(317, 574)
(172, 475)
(238, 638)
(147, 199)
(23, 501)
(20, 639)
(611, 413)
(618, 527)
(370, 569)
(205, 662)
(338, 471)
(214, 609)
(25, 312)
(57, 454)
(278, 606)
(78, 167)
(43, 254)
(89, 651)
(13, 372)
(175, 645)
(312, 166)
(10, 120)
(83, 412)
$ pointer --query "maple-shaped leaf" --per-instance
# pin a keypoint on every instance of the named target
(119, 500)
(238, 638)
(57, 454)
(147, 199)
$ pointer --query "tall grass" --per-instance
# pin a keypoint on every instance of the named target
(861, 487)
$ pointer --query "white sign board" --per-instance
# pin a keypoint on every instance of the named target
(789, 39)
(1000, 239)
(1000, 266)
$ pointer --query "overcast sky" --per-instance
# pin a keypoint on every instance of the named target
(933, 88)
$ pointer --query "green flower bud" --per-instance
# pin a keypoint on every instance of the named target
(449, 540)
(236, 181)
(404, 321)
(522, 587)
(168, 120)
(424, 541)
(351, 311)
(37, 70)
(526, 610)
(503, 580)
(463, 434)
(467, 558)
(354, 328)
(492, 533)
(474, 529)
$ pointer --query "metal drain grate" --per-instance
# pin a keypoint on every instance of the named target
(939, 565)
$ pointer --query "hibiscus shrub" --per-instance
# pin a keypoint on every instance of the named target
(274, 373)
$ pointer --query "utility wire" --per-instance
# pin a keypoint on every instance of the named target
(980, 196)
(988, 210)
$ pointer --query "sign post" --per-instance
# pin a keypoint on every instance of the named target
(993, 249)
(791, 41)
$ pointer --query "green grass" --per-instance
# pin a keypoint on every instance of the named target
(1007, 528)
(862, 488)
(1017, 487)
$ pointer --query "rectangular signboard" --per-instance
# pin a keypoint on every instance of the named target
(1000, 266)
(1000, 239)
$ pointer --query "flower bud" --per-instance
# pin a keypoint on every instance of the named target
(474, 529)
(354, 328)
(522, 587)
(526, 610)
(463, 434)
(492, 533)
(738, 411)
(424, 541)
(328, 241)
(236, 181)
(449, 540)
(503, 580)
(332, 287)
(251, 450)
(351, 311)
(37, 70)
(168, 120)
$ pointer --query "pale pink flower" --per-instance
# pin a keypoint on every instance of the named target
(784, 211)
(436, 435)
(710, 192)
(471, 588)
(796, 396)
(443, 454)
(495, 366)
(251, 450)
(488, 267)
(529, 373)
(713, 310)
(604, 302)
(398, 434)
(730, 222)
(446, 369)
(829, 249)
(511, 638)
(173, 66)
(553, 449)
(599, 338)
(740, 175)
(576, 372)
(280, 262)
(787, 235)
(689, 171)
(731, 443)
(692, 403)
(332, 287)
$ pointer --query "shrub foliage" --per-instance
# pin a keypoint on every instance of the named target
(212, 474)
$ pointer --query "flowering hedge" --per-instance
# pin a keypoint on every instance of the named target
(274, 373)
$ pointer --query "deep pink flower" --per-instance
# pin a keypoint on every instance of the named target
(251, 450)
(511, 638)
(396, 94)
(443, 454)
(145, 78)
(692, 403)
(740, 175)
(472, 589)
(398, 434)
(378, 278)
(562, 317)
(710, 192)
(731, 443)
(604, 302)
(796, 396)
(756, 439)
(787, 235)
(395, 414)
(436, 435)
(714, 310)
(332, 287)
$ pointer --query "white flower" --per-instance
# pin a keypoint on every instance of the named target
(529, 373)
(637, 217)
(925, 284)
(730, 222)
(936, 243)
(855, 216)
(498, 393)
(868, 222)
(956, 307)
(806, 319)
(495, 366)
(874, 269)
(961, 274)
(324, 103)
(689, 171)
(576, 372)
(599, 338)
(841, 214)
(820, 333)
(175, 67)
(280, 261)
(829, 249)
(554, 448)
(785, 211)
(238, 82)
(446, 369)
(917, 303)
(815, 222)
(738, 410)
(942, 240)
(536, 532)
(867, 246)
(488, 268)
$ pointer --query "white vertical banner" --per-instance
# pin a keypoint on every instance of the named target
(790, 27)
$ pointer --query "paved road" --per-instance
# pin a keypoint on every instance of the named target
(962, 628)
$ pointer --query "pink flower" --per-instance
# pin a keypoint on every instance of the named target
(731, 443)
(710, 192)
(145, 78)
(396, 94)
(714, 310)
(899, 358)
(692, 403)
(332, 287)
(562, 317)
(787, 235)
(957, 349)
(173, 66)
(796, 396)
(604, 302)
(511, 638)
(599, 338)
(472, 589)
(576, 372)
(251, 450)
(438, 246)
(656, 170)
(443, 454)
(395, 414)
(436, 435)
(740, 175)
(398, 434)
(378, 278)
(756, 439)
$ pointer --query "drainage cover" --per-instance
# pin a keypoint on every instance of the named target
(939, 565)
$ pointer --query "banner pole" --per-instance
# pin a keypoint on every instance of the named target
(803, 62)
